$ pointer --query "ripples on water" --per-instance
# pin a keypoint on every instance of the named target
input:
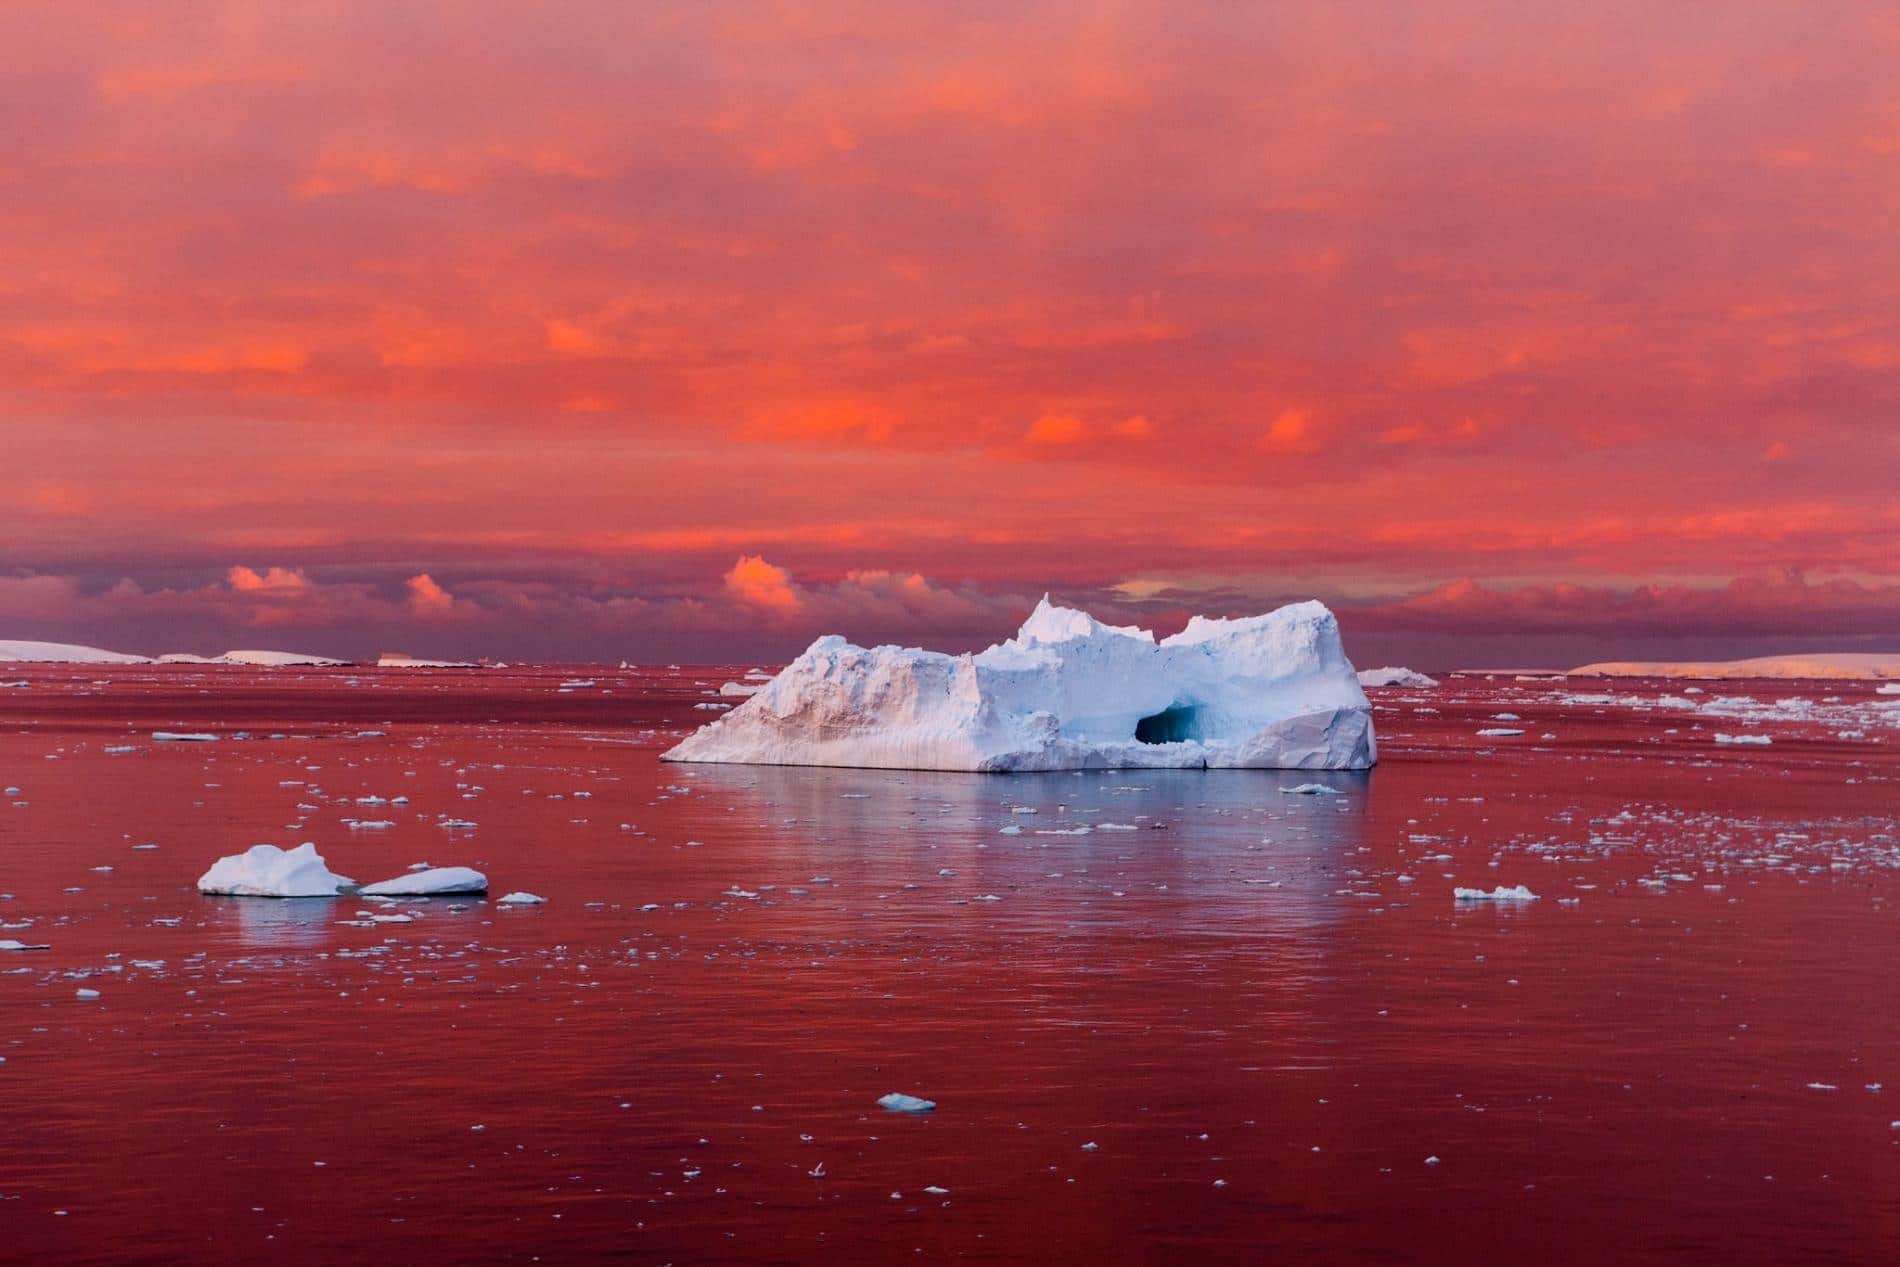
(1263, 1011)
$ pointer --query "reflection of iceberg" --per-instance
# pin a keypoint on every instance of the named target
(1066, 693)
(282, 924)
(1219, 852)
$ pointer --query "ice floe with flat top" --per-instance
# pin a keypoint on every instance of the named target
(1066, 693)
(430, 882)
(267, 871)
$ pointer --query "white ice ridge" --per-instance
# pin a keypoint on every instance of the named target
(267, 871)
(1066, 693)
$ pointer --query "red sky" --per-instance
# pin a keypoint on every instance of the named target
(1517, 331)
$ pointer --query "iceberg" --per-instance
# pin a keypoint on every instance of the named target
(1066, 693)
(430, 882)
(1392, 675)
(276, 659)
(267, 871)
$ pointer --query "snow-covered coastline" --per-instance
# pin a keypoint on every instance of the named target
(1067, 692)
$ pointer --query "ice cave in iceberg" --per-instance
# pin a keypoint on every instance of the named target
(1066, 693)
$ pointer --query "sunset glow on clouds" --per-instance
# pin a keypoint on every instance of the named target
(603, 330)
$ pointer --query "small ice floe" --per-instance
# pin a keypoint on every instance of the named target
(1091, 1147)
(83, 993)
(1310, 789)
(898, 1102)
(1431, 1161)
(1822, 1086)
(267, 871)
(183, 736)
(1498, 732)
(7, 943)
(519, 899)
(432, 882)
(1752, 739)
(1521, 893)
(358, 824)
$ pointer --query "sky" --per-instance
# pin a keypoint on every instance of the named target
(1521, 333)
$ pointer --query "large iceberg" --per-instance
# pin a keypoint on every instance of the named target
(1066, 693)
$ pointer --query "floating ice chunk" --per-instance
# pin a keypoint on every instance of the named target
(1394, 676)
(431, 882)
(520, 899)
(741, 688)
(83, 993)
(267, 871)
(1067, 692)
(7, 943)
(1311, 789)
(1743, 739)
(180, 736)
(1500, 894)
(1498, 732)
(898, 1102)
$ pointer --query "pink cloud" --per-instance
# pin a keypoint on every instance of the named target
(755, 583)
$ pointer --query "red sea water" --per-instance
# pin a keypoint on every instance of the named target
(1202, 1021)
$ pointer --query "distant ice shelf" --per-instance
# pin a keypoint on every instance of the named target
(1066, 693)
